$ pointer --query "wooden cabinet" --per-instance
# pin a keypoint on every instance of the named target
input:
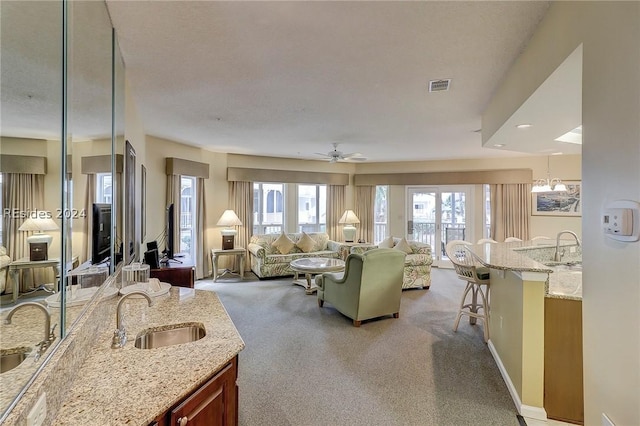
(563, 381)
(178, 274)
(212, 404)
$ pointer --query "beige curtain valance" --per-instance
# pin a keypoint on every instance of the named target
(100, 164)
(447, 178)
(178, 166)
(236, 174)
(23, 164)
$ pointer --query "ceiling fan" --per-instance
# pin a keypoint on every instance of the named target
(335, 155)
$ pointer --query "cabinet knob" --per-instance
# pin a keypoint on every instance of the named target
(182, 421)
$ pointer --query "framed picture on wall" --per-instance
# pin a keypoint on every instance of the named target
(558, 203)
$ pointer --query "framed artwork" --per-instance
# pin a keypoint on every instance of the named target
(129, 243)
(143, 202)
(558, 203)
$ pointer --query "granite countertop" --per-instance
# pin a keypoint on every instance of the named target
(563, 281)
(134, 386)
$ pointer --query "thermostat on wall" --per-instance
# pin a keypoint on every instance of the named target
(621, 220)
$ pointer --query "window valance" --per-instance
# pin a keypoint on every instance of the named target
(23, 164)
(178, 166)
(235, 174)
(472, 177)
(100, 164)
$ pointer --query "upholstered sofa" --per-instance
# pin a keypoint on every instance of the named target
(267, 261)
(417, 264)
(4, 263)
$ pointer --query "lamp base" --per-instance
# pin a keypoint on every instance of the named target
(228, 239)
(349, 233)
(38, 251)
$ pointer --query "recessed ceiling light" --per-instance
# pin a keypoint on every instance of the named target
(573, 136)
(523, 126)
(498, 145)
(556, 153)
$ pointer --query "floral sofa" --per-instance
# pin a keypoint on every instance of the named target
(267, 261)
(417, 264)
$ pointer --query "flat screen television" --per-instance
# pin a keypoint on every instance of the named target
(169, 241)
(100, 233)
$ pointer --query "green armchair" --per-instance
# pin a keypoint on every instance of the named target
(370, 287)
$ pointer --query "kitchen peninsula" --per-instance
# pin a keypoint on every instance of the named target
(524, 289)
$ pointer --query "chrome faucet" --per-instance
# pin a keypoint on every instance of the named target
(558, 255)
(120, 334)
(49, 335)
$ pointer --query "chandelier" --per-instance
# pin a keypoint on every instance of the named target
(548, 184)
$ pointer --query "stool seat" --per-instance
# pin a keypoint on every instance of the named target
(477, 278)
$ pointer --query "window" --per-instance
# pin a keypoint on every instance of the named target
(312, 208)
(487, 211)
(268, 208)
(104, 193)
(381, 207)
(187, 215)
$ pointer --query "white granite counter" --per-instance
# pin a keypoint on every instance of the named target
(133, 386)
(562, 282)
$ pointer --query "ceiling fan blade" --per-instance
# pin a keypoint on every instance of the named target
(323, 154)
(357, 159)
(351, 155)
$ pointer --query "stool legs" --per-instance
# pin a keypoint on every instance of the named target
(473, 308)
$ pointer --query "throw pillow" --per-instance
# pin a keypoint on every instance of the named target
(403, 245)
(386, 243)
(306, 243)
(283, 244)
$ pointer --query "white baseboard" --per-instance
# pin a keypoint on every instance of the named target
(538, 413)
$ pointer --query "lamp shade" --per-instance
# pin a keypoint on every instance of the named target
(38, 225)
(349, 218)
(229, 218)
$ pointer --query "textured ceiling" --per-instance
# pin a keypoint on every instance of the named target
(288, 79)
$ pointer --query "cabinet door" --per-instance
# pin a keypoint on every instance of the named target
(212, 404)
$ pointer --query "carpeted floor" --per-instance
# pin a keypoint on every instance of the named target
(305, 365)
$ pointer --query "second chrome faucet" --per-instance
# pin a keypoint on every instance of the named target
(120, 334)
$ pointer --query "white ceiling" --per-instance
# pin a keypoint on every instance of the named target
(288, 79)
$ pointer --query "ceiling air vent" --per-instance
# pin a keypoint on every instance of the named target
(439, 85)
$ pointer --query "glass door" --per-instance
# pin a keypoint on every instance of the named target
(437, 215)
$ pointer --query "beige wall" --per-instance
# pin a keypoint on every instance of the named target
(609, 32)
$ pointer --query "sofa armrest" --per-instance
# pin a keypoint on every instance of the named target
(335, 246)
(362, 249)
(420, 248)
(257, 250)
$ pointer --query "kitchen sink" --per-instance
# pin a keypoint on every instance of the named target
(169, 335)
(11, 358)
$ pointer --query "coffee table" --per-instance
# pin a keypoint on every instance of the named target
(314, 265)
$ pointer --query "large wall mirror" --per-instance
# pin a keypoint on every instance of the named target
(61, 151)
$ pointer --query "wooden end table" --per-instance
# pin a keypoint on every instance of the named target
(239, 252)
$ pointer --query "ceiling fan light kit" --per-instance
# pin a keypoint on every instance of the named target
(335, 155)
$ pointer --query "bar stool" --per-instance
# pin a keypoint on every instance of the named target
(477, 278)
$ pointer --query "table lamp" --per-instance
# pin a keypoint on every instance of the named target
(349, 231)
(229, 219)
(39, 241)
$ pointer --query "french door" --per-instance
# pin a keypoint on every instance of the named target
(437, 215)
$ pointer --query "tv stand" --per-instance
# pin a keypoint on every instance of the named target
(175, 272)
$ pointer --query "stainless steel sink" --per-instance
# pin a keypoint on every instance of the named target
(10, 359)
(168, 335)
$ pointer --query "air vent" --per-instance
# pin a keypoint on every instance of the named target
(439, 85)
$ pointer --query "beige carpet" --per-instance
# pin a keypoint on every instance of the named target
(305, 365)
